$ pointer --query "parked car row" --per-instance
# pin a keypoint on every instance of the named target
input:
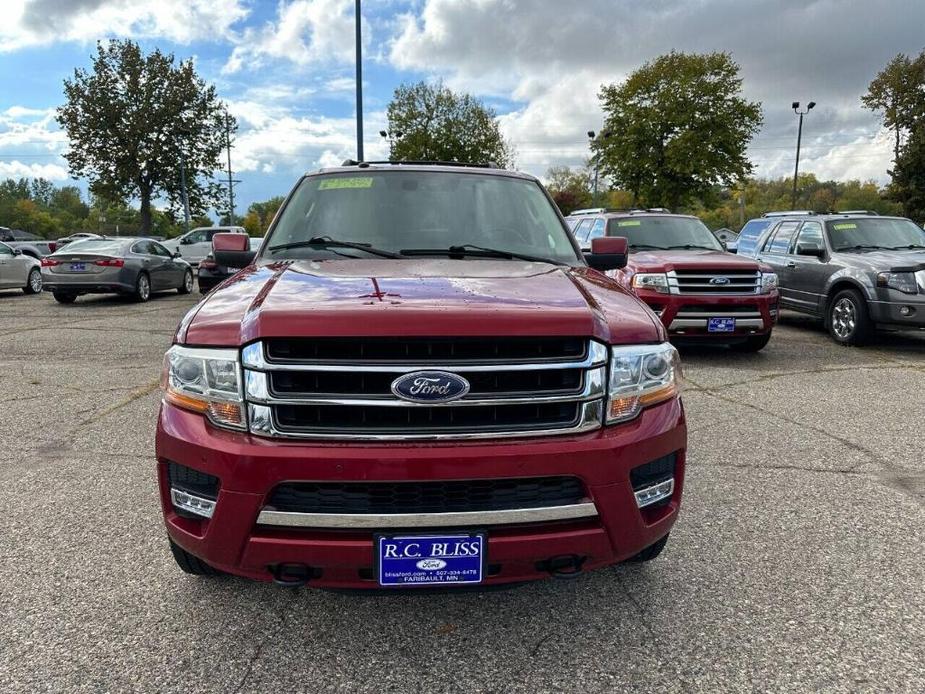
(19, 271)
(29, 244)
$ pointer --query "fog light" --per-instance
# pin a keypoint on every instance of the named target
(657, 492)
(906, 310)
(192, 503)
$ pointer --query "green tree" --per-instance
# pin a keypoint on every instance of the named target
(437, 124)
(898, 94)
(130, 120)
(678, 127)
(260, 214)
(570, 188)
(908, 186)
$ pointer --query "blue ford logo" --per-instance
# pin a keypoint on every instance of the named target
(719, 280)
(430, 386)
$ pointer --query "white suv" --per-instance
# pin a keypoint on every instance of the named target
(196, 244)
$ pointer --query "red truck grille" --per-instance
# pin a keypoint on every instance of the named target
(342, 389)
(714, 282)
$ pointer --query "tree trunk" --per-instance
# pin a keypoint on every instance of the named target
(145, 211)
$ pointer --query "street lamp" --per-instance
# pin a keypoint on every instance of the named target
(359, 78)
(597, 160)
(796, 169)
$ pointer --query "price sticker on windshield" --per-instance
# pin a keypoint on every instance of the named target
(840, 227)
(345, 183)
(630, 223)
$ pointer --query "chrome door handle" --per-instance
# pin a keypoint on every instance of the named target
(791, 264)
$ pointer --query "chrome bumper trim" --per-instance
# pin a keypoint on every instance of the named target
(369, 521)
(702, 323)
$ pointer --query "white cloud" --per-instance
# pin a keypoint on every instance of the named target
(304, 32)
(18, 169)
(38, 22)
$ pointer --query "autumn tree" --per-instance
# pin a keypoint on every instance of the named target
(133, 119)
(430, 122)
(570, 188)
(898, 94)
(678, 126)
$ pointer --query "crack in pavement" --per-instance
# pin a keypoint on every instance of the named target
(258, 650)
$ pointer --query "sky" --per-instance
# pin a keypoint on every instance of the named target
(286, 70)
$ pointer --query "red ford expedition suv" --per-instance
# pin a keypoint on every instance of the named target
(419, 380)
(681, 270)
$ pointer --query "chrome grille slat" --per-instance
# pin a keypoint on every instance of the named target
(737, 282)
(375, 415)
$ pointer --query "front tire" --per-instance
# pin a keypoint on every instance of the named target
(64, 297)
(191, 564)
(187, 285)
(34, 283)
(848, 320)
(142, 288)
(753, 343)
(650, 552)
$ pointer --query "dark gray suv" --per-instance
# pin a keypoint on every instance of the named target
(856, 272)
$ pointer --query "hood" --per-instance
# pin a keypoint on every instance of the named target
(421, 297)
(694, 259)
(884, 260)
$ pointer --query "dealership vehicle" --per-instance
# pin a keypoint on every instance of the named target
(417, 381)
(680, 269)
(78, 236)
(19, 271)
(30, 244)
(857, 272)
(195, 245)
(728, 238)
(134, 267)
(210, 274)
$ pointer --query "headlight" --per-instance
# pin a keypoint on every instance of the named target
(206, 381)
(640, 376)
(901, 281)
(653, 281)
(768, 282)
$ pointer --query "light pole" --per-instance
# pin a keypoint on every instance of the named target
(184, 194)
(390, 137)
(796, 169)
(359, 78)
(597, 161)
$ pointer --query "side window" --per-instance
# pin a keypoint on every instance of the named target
(581, 231)
(779, 243)
(5, 250)
(158, 249)
(140, 247)
(572, 223)
(196, 237)
(599, 229)
(810, 235)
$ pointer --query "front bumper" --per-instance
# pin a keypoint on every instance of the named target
(908, 312)
(249, 468)
(687, 316)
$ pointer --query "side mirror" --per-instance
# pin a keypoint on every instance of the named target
(232, 250)
(175, 254)
(17, 251)
(608, 253)
(811, 249)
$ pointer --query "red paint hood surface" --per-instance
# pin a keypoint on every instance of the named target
(421, 297)
(694, 259)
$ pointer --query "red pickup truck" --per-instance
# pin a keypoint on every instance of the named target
(419, 380)
(681, 270)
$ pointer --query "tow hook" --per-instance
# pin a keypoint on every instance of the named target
(564, 566)
(291, 575)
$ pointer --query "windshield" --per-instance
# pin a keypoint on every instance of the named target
(395, 210)
(96, 246)
(663, 232)
(874, 233)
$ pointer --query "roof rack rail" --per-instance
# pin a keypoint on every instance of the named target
(589, 210)
(787, 213)
(870, 212)
(422, 162)
(627, 210)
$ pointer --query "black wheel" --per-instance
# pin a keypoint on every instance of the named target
(191, 564)
(64, 297)
(142, 288)
(187, 285)
(34, 283)
(753, 343)
(650, 552)
(848, 320)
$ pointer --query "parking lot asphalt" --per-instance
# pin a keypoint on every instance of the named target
(797, 563)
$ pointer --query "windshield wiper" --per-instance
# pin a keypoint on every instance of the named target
(863, 247)
(328, 242)
(690, 246)
(648, 246)
(479, 251)
(910, 247)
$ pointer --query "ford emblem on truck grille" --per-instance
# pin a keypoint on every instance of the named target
(719, 280)
(430, 387)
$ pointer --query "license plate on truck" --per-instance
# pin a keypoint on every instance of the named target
(415, 560)
(721, 325)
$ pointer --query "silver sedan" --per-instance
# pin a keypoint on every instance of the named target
(19, 271)
(130, 266)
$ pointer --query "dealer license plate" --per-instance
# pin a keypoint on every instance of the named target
(416, 560)
(78, 267)
(721, 325)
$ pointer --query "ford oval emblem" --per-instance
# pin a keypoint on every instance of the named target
(431, 564)
(719, 280)
(430, 387)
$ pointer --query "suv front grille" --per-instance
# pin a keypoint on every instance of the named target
(342, 388)
(426, 497)
(714, 282)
